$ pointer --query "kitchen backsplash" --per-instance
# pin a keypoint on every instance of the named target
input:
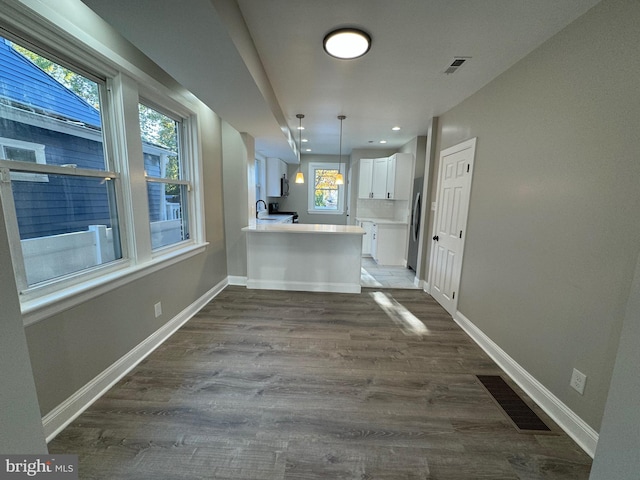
(387, 209)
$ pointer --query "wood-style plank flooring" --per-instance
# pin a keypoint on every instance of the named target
(270, 385)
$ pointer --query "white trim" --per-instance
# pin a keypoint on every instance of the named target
(426, 287)
(65, 413)
(585, 436)
(237, 280)
(313, 166)
(304, 286)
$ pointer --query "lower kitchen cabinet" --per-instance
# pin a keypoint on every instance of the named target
(366, 238)
(388, 243)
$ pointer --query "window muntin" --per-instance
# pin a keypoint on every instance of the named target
(54, 169)
(325, 196)
(167, 187)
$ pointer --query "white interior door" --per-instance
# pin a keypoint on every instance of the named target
(452, 206)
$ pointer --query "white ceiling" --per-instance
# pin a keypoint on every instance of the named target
(210, 47)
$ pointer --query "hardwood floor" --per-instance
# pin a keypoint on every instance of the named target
(270, 385)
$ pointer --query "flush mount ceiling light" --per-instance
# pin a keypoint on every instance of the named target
(347, 43)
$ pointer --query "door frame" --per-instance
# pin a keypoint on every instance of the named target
(467, 144)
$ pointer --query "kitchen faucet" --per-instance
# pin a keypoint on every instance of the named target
(265, 206)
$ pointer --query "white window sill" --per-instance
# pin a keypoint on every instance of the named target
(43, 307)
(325, 212)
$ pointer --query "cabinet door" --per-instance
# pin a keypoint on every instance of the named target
(374, 241)
(399, 176)
(391, 177)
(391, 244)
(276, 168)
(366, 177)
(366, 238)
(379, 184)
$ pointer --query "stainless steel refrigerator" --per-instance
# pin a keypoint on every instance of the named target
(414, 233)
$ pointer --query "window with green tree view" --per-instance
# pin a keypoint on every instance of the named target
(325, 195)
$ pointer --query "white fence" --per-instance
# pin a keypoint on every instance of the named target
(56, 255)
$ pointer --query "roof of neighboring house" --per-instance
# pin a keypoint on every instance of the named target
(26, 86)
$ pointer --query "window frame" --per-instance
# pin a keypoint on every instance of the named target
(311, 208)
(39, 151)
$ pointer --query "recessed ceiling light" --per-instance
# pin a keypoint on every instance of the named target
(347, 43)
(308, 150)
(300, 128)
(304, 140)
(383, 141)
(395, 129)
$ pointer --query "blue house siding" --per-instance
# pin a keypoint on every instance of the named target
(57, 204)
(154, 190)
(23, 82)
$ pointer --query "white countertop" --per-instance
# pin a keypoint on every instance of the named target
(381, 221)
(266, 219)
(306, 228)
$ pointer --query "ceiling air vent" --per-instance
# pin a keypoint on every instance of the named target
(456, 64)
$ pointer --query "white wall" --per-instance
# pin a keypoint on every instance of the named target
(553, 230)
(238, 161)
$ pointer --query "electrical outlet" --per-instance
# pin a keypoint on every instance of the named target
(158, 309)
(578, 379)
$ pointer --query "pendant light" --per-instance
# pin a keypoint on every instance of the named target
(339, 177)
(299, 175)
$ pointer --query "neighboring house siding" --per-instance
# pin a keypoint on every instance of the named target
(154, 190)
(57, 205)
(53, 204)
(23, 82)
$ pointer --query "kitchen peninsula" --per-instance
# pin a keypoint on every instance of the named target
(306, 257)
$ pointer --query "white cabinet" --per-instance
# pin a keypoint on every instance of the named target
(388, 243)
(366, 238)
(399, 173)
(379, 183)
(276, 171)
(374, 241)
(388, 177)
(366, 178)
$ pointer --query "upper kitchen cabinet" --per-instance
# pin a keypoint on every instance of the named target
(366, 178)
(277, 183)
(399, 169)
(386, 178)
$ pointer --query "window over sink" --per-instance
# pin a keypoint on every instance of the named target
(325, 195)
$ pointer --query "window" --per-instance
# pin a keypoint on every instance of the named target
(20, 151)
(71, 176)
(58, 195)
(167, 189)
(325, 196)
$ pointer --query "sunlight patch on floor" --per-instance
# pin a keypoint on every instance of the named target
(367, 280)
(407, 321)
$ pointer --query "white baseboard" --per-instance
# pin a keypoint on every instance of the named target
(237, 280)
(305, 286)
(426, 287)
(61, 416)
(572, 424)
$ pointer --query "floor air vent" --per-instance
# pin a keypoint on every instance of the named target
(512, 405)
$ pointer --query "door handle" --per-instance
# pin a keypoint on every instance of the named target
(436, 238)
